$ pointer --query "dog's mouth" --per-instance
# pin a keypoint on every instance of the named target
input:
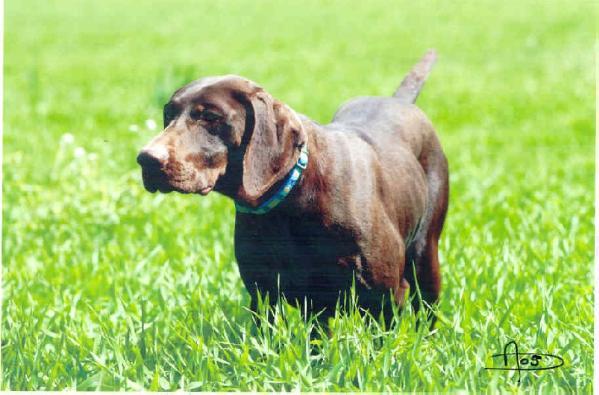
(173, 176)
(155, 181)
(158, 181)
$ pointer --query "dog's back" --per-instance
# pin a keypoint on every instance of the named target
(387, 121)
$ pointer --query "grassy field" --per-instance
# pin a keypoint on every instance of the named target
(106, 286)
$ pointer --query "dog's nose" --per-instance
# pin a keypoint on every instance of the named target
(148, 161)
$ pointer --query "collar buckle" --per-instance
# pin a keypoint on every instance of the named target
(302, 161)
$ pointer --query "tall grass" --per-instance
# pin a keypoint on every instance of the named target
(108, 287)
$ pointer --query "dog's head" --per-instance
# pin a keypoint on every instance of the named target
(222, 133)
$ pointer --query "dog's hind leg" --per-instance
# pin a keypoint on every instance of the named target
(424, 251)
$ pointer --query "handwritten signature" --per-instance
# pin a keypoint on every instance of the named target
(526, 361)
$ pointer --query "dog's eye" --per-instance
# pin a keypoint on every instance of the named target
(211, 116)
(205, 115)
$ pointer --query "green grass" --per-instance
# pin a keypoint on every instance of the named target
(108, 287)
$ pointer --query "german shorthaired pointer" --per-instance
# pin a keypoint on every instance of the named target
(361, 200)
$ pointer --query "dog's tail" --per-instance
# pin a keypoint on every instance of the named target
(413, 82)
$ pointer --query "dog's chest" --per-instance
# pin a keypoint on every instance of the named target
(298, 256)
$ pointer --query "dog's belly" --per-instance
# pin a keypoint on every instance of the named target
(300, 277)
(304, 263)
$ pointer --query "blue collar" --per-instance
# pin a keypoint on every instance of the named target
(281, 194)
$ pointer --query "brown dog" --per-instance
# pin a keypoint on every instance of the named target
(370, 201)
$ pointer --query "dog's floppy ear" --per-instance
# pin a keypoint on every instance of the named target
(274, 144)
